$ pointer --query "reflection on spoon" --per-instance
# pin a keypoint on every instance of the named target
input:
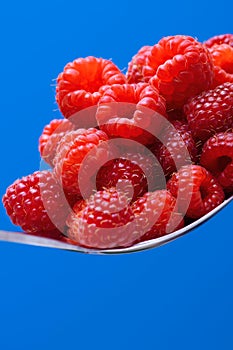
(17, 237)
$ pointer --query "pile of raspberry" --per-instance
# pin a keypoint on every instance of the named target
(138, 155)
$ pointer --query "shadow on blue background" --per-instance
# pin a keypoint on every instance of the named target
(178, 296)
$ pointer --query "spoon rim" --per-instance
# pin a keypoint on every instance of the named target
(19, 237)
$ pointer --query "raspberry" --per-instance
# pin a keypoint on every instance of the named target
(106, 221)
(72, 150)
(134, 74)
(80, 85)
(153, 212)
(134, 173)
(210, 112)
(222, 56)
(51, 136)
(131, 111)
(220, 39)
(197, 190)
(179, 148)
(217, 157)
(37, 203)
(179, 67)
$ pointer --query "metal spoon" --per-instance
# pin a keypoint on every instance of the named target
(18, 237)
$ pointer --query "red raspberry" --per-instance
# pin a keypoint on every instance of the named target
(37, 203)
(217, 157)
(197, 190)
(51, 136)
(210, 112)
(133, 173)
(222, 56)
(72, 150)
(106, 221)
(80, 85)
(154, 214)
(134, 74)
(179, 148)
(219, 40)
(179, 67)
(131, 111)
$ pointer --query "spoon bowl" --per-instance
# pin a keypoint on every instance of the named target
(23, 238)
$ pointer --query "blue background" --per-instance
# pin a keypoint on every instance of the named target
(179, 296)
